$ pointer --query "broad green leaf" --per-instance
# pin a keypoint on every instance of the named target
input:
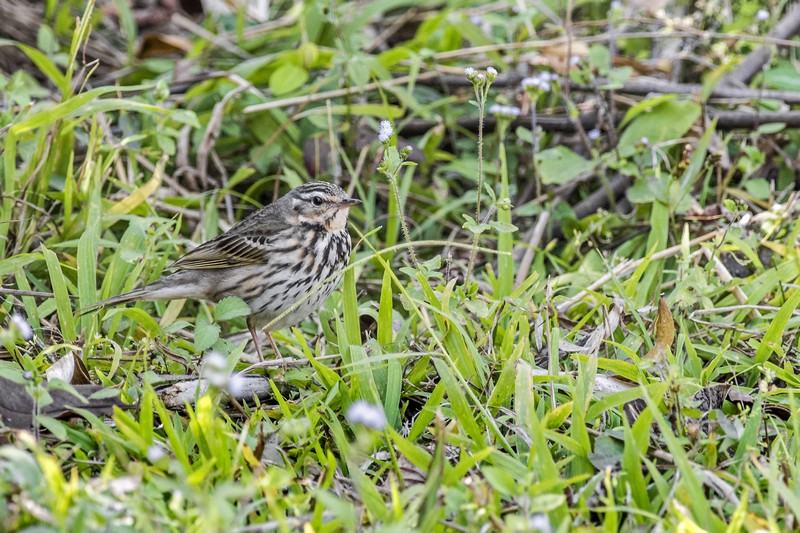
(230, 308)
(287, 78)
(205, 333)
(657, 120)
(560, 165)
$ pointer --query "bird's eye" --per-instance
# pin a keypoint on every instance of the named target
(317, 201)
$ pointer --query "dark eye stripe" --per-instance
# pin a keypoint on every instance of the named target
(311, 198)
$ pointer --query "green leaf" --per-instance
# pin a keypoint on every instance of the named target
(139, 317)
(43, 63)
(783, 77)
(774, 335)
(205, 333)
(503, 227)
(59, 283)
(473, 226)
(560, 165)
(502, 481)
(645, 106)
(54, 426)
(287, 78)
(458, 401)
(657, 120)
(758, 187)
(641, 192)
(230, 308)
(600, 58)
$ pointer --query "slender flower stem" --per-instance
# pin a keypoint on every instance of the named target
(481, 112)
(537, 180)
(481, 91)
(393, 180)
(393, 161)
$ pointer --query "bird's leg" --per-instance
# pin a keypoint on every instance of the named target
(251, 325)
(272, 343)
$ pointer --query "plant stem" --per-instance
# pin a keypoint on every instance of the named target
(481, 97)
(392, 175)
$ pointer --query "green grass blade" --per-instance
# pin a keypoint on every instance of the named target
(63, 304)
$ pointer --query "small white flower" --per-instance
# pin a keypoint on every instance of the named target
(505, 111)
(366, 414)
(644, 141)
(744, 220)
(616, 4)
(469, 72)
(491, 73)
(540, 523)
(762, 15)
(593, 134)
(24, 329)
(574, 60)
(215, 370)
(539, 82)
(480, 79)
(155, 453)
(476, 19)
(385, 131)
(236, 385)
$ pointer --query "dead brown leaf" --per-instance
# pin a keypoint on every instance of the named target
(665, 333)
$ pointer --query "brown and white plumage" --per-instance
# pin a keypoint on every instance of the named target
(271, 260)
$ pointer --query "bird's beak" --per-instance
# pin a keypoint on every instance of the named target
(350, 202)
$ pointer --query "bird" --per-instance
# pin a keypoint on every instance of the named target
(272, 259)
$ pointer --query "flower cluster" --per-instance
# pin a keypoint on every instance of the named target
(215, 372)
(366, 414)
(504, 111)
(385, 131)
(539, 82)
(21, 325)
(156, 452)
(480, 79)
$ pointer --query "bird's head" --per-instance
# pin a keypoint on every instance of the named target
(320, 203)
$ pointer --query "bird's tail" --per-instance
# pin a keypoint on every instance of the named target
(163, 289)
(135, 294)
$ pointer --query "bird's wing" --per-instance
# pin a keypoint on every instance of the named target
(227, 251)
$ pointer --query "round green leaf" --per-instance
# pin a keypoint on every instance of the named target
(287, 78)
